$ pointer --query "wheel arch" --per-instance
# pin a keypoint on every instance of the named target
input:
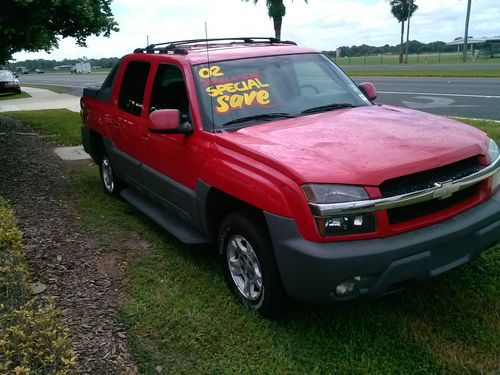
(93, 144)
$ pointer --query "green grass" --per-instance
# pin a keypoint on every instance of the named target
(490, 127)
(56, 89)
(450, 73)
(62, 124)
(182, 317)
(11, 96)
(421, 59)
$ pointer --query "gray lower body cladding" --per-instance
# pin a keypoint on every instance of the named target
(311, 271)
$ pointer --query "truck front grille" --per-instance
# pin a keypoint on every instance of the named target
(402, 214)
(426, 179)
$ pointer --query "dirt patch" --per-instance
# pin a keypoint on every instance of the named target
(86, 278)
(115, 264)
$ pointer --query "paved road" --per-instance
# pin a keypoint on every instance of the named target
(462, 97)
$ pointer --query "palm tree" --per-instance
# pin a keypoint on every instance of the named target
(401, 9)
(411, 9)
(276, 10)
(466, 31)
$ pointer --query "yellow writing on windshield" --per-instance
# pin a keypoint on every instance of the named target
(236, 95)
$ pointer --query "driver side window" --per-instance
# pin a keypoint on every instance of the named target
(169, 90)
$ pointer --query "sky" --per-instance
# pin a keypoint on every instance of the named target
(321, 24)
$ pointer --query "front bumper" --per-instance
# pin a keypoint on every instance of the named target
(311, 271)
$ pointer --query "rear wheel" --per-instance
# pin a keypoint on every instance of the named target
(248, 262)
(110, 183)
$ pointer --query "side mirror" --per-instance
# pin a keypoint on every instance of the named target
(168, 121)
(369, 90)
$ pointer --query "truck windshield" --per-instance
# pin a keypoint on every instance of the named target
(239, 93)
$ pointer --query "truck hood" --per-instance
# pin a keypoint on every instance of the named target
(362, 146)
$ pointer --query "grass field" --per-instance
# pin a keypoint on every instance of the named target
(56, 89)
(426, 58)
(10, 96)
(451, 73)
(182, 317)
(62, 124)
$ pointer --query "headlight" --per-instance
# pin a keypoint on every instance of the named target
(344, 224)
(493, 151)
(325, 193)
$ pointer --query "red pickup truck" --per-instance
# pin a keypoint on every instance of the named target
(308, 188)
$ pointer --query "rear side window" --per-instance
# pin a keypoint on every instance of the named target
(105, 90)
(133, 85)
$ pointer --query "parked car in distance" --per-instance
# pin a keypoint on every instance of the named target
(9, 83)
(39, 71)
(307, 187)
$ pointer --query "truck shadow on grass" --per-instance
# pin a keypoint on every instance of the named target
(182, 317)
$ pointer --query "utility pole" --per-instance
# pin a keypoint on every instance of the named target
(410, 5)
(466, 37)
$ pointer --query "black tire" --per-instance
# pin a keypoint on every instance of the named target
(110, 183)
(245, 231)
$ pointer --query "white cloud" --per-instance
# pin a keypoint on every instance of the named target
(323, 24)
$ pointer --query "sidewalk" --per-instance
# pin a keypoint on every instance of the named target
(41, 99)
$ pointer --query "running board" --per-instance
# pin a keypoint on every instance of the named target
(182, 231)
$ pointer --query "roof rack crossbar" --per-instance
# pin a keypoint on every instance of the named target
(174, 46)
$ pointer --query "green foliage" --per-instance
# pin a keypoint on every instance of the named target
(276, 10)
(63, 124)
(47, 65)
(33, 339)
(34, 25)
(14, 286)
(401, 8)
(10, 96)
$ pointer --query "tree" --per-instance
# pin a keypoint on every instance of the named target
(412, 7)
(400, 9)
(276, 10)
(467, 18)
(34, 25)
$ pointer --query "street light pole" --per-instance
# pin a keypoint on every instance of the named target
(466, 37)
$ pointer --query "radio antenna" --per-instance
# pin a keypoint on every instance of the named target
(209, 79)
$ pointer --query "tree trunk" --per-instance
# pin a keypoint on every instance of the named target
(401, 44)
(466, 31)
(277, 27)
(407, 40)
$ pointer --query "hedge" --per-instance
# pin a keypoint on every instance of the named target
(33, 337)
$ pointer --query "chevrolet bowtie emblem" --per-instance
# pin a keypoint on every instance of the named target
(445, 190)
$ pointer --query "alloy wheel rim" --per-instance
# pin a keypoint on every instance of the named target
(244, 268)
(107, 175)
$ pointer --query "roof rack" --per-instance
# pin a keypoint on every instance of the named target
(176, 47)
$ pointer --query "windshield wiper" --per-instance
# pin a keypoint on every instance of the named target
(328, 107)
(263, 116)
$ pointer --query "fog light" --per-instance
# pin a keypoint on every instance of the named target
(346, 288)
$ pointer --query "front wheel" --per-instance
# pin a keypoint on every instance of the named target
(110, 183)
(248, 262)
